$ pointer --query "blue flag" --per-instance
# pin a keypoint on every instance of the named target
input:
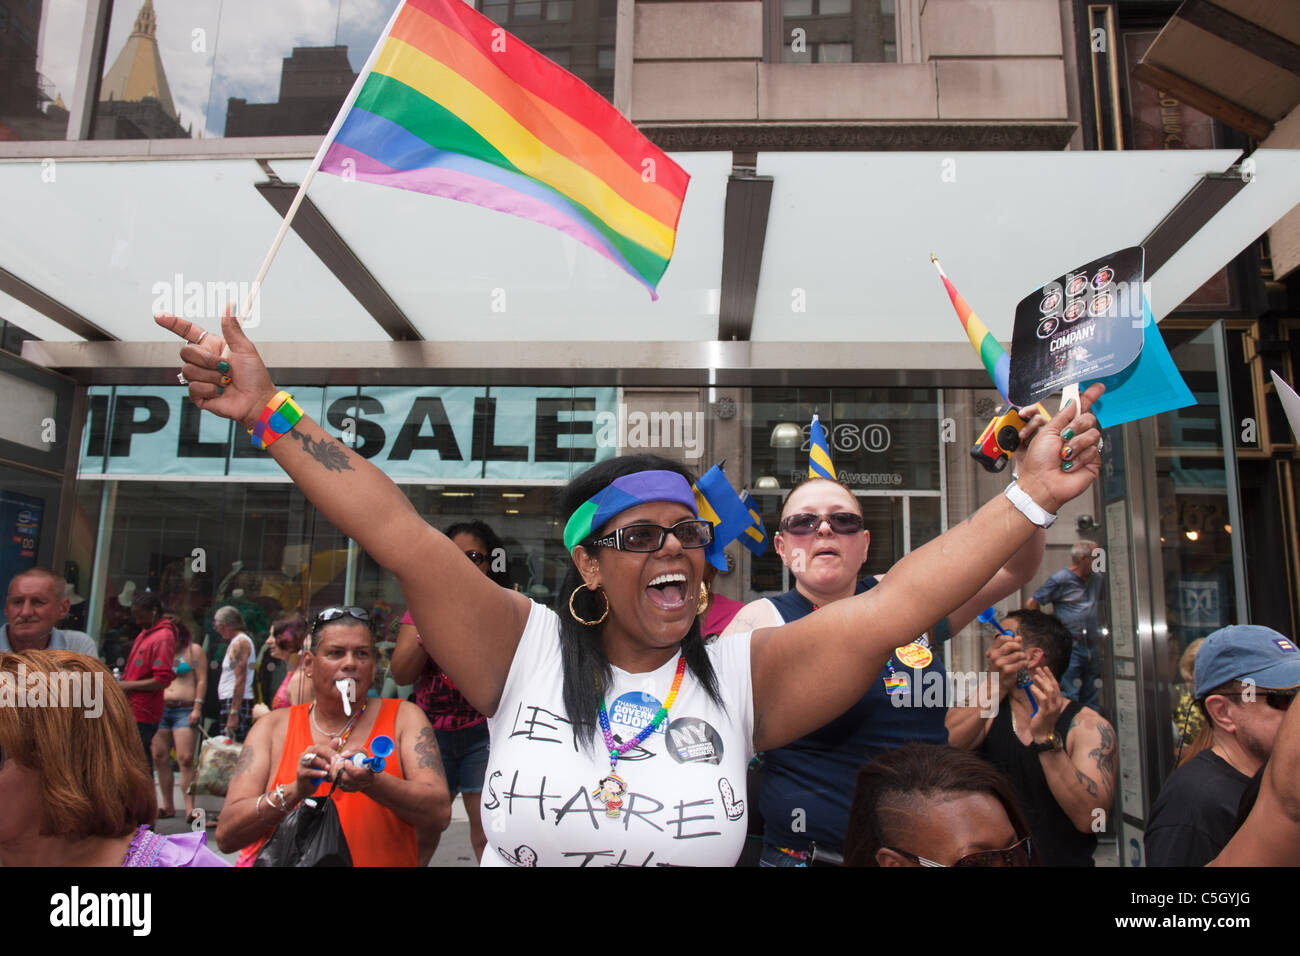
(719, 504)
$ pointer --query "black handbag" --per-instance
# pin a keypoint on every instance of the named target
(311, 835)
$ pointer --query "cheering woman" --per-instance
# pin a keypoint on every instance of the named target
(605, 750)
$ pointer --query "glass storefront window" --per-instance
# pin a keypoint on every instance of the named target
(885, 444)
(40, 42)
(1195, 528)
(839, 31)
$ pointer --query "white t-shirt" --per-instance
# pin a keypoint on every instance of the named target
(685, 803)
(226, 685)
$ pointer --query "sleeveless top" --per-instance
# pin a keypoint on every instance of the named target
(376, 835)
(1056, 840)
(808, 784)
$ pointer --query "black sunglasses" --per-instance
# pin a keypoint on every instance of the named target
(841, 522)
(691, 533)
(1277, 699)
(334, 613)
(1015, 855)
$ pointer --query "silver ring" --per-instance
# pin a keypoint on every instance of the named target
(200, 338)
(1101, 443)
(307, 759)
(180, 377)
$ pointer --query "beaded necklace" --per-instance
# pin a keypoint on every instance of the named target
(341, 735)
(611, 788)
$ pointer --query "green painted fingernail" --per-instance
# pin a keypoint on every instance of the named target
(224, 366)
(220, 390)
(1066, 465)
(1067, 434)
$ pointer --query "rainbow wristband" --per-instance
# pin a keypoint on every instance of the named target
(277, 419)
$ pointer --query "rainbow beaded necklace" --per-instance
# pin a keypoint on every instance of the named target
(616, 751)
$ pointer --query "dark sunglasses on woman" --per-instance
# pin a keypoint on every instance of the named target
(691, 533)
(841, 522)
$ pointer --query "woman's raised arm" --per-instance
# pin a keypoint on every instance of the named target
(811, 670)
(470, 625)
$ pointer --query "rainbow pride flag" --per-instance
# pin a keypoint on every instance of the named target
(996, 359)
(454, 106)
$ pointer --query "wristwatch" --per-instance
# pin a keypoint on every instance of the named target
(1052, 742)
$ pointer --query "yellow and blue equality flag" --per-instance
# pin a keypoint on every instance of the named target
(819, 452)
(731, 517)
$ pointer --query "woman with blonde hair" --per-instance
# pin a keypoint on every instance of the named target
(74, 787)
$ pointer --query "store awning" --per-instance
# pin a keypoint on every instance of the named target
(1235, 60)
(845, 257)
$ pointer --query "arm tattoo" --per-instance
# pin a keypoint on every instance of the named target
(1104, 754)
(1087, 782)
(244, 762)
(426, 745)
(327, 451)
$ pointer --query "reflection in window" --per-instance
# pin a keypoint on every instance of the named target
(38, 66)
(204, 68)
(576, 34)
(839, 31)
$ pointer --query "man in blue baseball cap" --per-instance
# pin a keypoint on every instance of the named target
(1246, 678)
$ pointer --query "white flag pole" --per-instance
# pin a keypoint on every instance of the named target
(315, 165)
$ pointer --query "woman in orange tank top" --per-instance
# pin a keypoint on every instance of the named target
(386, 817)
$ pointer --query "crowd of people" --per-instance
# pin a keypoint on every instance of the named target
(644, 720)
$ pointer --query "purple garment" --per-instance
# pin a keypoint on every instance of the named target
(178, 849)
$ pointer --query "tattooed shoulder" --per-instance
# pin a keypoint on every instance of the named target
(426, 746)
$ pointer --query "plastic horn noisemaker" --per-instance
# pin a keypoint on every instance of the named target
(989, 616)
(381, 747)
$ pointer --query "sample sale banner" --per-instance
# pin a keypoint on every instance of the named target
(412, 432)
(1086, 324)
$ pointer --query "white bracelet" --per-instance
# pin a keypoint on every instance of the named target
(1028, 507)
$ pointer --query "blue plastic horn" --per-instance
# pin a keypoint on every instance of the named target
(990, 616)
(382, 746)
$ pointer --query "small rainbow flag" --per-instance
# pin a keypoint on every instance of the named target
(819, 452)
(996, 359)
(454, 106)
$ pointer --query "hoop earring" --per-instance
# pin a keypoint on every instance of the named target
(575, 614)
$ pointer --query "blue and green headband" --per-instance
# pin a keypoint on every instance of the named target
(626, 492)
